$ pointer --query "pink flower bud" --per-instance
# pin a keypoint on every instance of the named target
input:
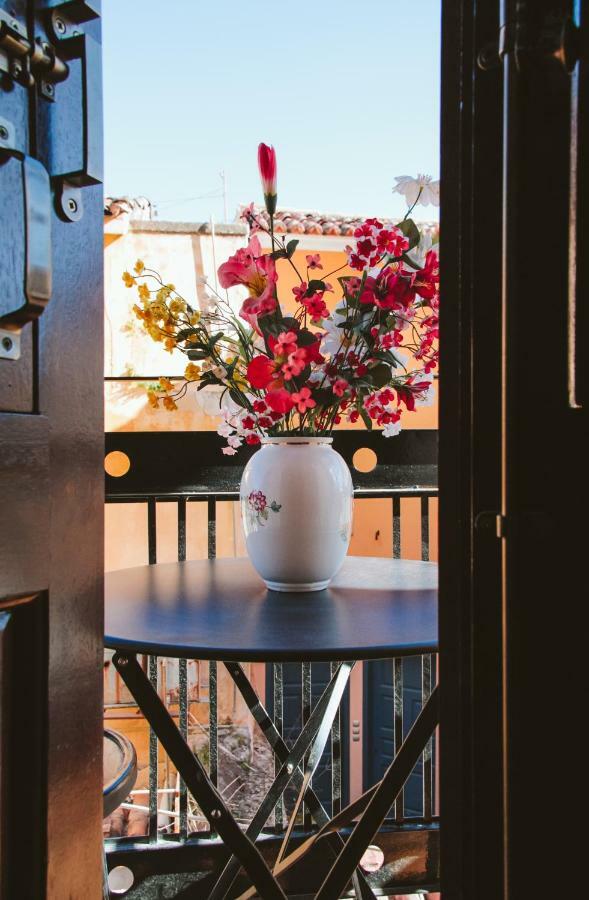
(267, 167)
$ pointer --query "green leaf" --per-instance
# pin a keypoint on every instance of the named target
(409, 262)
(185, 333)
(387, 356)
(365, 417)
(215, 338)
(198, 354)
(306, 338)
(207, 380)
(380, 374)
(315, 285)
(236, 397)
(291, 247)
(279, 254)
(411, 231)
(275, 507)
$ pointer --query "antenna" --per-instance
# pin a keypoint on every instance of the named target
(224, 182)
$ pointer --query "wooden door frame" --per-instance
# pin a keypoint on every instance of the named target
(469, 458)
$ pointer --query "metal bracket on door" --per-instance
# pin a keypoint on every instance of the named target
(37, 221)
(556, 38)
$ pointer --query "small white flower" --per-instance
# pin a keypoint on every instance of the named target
(418, 253)
(426, 397)
(423, 187)
(392, 429)
(234, 440)
(225, 430)
(207, 303)
(228, 451)
(209, 399)
(332, 339)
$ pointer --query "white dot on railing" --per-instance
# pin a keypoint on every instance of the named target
(373, 859)
(116, 463)
(364, 460)
(120, 880)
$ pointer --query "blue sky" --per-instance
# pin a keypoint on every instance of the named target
(347, 91)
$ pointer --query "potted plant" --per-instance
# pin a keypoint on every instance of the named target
(284, 381)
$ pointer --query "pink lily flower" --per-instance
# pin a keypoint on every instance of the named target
(258, 273)
(267, 167)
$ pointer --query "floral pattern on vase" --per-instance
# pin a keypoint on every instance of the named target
(258, 509)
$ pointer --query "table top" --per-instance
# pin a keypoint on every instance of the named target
(221, 609)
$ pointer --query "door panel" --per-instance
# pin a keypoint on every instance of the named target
(52, 435)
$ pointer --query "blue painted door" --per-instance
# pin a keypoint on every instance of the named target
(379, 727)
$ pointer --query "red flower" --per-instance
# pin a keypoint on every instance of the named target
(389, 290)
(300, 291)
(340, 387)
(285, 343)
(314, 261)
(252, 439)
(316, 306)
(303, 400)
(426, 280)
(260, 372)
(280, 401)
(267, 167)
(313, 354)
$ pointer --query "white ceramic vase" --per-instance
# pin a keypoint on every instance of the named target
(296, 507)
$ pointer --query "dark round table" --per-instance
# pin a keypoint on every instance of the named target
(220, 609)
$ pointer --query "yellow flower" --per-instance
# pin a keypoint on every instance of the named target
(192, 372)
(177, 306)
(170, 287)
(166, 384)
(128, 279)
(143, 292)
(169, 404)
(139, 266)
(169, 344)
(194, 318)
(153, 399)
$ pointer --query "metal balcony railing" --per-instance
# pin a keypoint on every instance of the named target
(187, 468)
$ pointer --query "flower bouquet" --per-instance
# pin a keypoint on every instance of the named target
(294, 375)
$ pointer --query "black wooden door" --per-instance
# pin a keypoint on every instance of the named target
(513, 444)
(51, 449)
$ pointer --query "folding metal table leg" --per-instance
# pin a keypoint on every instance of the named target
(324, 711)
(382, 800)
(280, 749)
(196, 778)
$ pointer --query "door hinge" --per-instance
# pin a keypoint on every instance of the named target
(557, 38)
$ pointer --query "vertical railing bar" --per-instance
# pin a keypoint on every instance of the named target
(399, 809)
(336, 756)
(426, 689)
(212, 527)
(278, 689)
(182, 679)
(183, 722)
(182, 529)
(152, 668)
(213, 724)
(305, 714)
(151, 531)
(153, 767)
(396, 527)
(425, 528)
